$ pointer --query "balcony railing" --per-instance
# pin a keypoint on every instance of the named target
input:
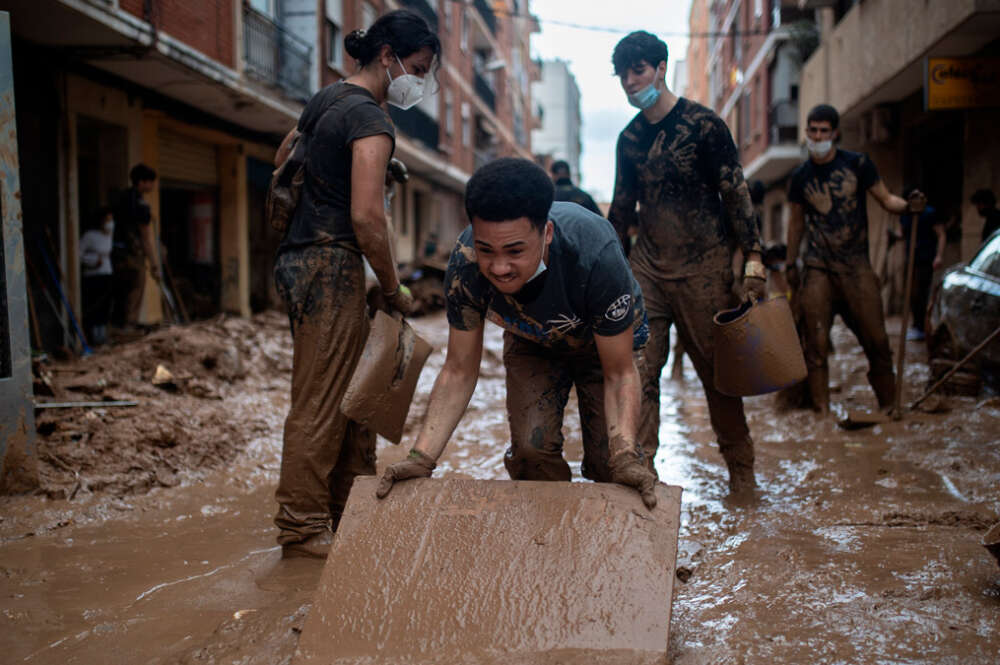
(417, 125)
(487, 13)
(485, 91)
(783, 122)
(275, 55)
(425, 9)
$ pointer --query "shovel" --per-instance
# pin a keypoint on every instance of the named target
(381, 388)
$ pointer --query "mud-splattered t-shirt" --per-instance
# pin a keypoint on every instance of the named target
(323, 216)
(567, 191)
(694, 206)
(588, 288)
(832, 196)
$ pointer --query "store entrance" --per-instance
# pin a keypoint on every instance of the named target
(189, 231)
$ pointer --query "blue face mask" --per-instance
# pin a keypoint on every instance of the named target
(644, 98)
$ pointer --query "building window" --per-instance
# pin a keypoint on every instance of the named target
(446, 11)
(449, 110)
(335, 33)
(368, 14)
(466, 125)
(465, 30)
(263, 6)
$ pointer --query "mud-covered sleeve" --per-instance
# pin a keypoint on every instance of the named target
(610, 298)
(622, 212)
(465, 298)
(725, 165)
(867, 173)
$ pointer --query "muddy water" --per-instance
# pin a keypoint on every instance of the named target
(864, 546)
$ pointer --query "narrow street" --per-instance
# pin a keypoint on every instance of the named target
(152, 539)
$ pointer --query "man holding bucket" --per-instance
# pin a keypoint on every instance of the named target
(677, 160)
(554, 276)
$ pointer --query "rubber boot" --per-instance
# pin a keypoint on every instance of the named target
(819, 388)
(739, 459)
(884, 386)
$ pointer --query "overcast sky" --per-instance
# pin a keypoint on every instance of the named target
(603, 105)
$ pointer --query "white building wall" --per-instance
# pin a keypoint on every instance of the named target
(559, 98)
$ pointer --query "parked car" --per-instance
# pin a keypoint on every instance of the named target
(965, 309)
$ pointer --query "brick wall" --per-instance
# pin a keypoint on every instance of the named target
(207, 26)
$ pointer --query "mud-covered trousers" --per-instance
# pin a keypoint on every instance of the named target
(855, 296)
(689, 304)
(539, 380)
(324, 292)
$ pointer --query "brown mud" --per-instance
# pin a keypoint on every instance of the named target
(152, 541)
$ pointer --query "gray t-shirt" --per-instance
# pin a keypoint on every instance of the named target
(588, 287)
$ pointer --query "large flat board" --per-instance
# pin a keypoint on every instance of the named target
(513, 572)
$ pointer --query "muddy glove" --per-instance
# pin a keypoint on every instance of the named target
(400, 300)
(627, 468)
(416, 465)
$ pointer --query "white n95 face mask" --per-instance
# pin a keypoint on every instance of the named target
(819, 148)
(405, 91)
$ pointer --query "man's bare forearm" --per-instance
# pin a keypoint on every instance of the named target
(621, 410)
(449, 399)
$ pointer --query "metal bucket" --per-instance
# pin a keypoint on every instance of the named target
(381, 388)
(757, 349)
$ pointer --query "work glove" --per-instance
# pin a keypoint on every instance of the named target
(754, 289)
(792, 276)
(416, 465)
(627, 468)
(917, 202)
(400, 300)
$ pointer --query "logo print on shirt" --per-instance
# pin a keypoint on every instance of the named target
(564, 322)
(619, 308)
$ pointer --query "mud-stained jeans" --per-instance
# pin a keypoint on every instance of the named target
(538, 384)
(324, 292)
(689, 304)
(855, 296)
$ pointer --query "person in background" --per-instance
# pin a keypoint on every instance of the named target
(134, 246)
(95, 257)
(319, 271)
(567, 191)
(986, 204)
(774, 261)
(927, 257)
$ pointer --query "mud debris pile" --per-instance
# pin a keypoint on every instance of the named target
(179, 429)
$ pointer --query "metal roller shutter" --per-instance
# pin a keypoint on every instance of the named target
(186, 159)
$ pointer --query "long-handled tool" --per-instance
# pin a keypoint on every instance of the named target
(897, 402)
(69, 310)
(947, 375)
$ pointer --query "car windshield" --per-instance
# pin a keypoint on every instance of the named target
(988, 259)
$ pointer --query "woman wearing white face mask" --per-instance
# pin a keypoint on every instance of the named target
(348, 140)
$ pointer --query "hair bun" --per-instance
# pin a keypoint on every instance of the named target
(354, 43)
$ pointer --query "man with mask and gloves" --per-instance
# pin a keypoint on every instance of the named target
(827, 197)
(554, 276)
(677, 160)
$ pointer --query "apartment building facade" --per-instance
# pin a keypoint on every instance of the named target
(557, 134)
(203, 91)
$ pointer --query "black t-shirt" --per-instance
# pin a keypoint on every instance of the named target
(323, 216)
(588, 288)
(926, 248)
(832, 196)
(694, 205)
(565, 190)
(131, 214)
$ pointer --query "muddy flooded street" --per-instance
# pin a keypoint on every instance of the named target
(151, 539)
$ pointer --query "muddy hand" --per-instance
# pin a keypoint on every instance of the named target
(400, 300)
(416, 465)
(628, 469)
(754, 289)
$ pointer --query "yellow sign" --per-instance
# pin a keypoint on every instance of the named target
(961, 83)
